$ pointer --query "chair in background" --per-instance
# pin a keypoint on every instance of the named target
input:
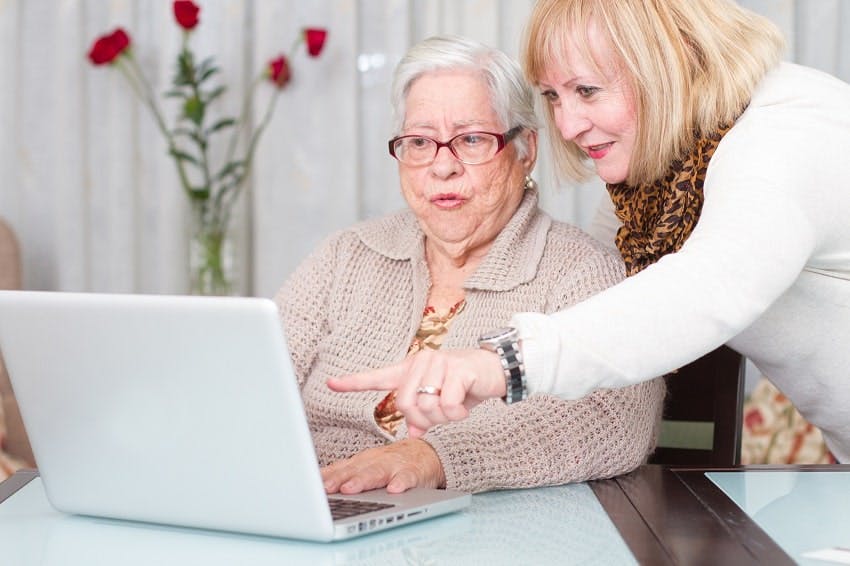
(16, 441)
(703, 412)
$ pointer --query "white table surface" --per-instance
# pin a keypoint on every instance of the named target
(554, 525)
(801, 511)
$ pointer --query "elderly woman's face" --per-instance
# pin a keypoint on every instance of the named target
(593, 107)
(463, 206)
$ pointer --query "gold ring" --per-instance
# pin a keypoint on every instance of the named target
(429, 390)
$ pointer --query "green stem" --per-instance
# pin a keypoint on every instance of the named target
(299, 39)
(209, 269)
(239, 178)
(199, 130)
(233, 189)
(243, 118)
(129, 67)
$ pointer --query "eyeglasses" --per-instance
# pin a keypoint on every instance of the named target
(472, 148)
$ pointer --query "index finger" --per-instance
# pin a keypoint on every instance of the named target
(384, 379)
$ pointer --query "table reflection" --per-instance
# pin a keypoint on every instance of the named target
(555, 525)
(801, 510)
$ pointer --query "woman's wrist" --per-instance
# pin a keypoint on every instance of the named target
(432, 460)
(491, 384)
(505, 344)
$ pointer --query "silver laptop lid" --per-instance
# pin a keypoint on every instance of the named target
(181, 410)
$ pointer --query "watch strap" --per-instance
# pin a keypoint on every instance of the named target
(513, 367)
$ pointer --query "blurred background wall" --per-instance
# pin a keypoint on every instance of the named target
(87, 184)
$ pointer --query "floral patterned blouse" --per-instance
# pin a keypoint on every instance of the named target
(432, 330)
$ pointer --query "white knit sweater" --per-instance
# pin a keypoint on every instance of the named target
(357, 302)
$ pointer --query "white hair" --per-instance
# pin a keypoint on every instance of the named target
(511, 96)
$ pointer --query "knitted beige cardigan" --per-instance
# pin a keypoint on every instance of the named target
(357, 301)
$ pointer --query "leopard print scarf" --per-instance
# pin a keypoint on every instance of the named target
(658, 217)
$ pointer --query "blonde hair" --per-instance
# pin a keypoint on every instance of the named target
(691, 65)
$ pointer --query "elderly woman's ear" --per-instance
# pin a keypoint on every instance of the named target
(531, 155)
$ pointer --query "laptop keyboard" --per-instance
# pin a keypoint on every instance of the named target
(344, 508)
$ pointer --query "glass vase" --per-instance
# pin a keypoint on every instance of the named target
(211, 252)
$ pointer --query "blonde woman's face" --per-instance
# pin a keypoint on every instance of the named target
(593, 107)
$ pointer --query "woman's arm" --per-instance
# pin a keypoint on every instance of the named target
(546, 440)
(749, 246)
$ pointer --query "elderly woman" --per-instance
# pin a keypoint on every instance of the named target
(727, 173)
(472, 249)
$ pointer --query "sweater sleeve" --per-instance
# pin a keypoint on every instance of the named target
(546, 440)
(753, 238)
(303, 305)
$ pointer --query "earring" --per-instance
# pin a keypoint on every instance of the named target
(530, 183)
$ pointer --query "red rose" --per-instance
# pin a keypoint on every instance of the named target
(279, 71)
(315, 38)
(186, 13)
(107, 48)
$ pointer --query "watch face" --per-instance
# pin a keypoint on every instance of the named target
(498, 335)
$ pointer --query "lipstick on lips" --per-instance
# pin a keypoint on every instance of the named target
(598, 151)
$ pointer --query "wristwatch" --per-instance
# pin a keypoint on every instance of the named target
(505, 343)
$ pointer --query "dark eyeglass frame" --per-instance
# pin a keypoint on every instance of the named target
(501, 140)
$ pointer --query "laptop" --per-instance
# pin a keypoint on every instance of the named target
(179, 410)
